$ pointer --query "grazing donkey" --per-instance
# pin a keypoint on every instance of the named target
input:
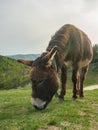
(69, 47)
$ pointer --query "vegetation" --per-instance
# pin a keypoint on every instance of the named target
(95, 53)
(12, 74)
(17, 113)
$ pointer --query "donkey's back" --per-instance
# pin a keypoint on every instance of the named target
(74, 46)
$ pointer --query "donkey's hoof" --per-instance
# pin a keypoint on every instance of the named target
(74, 97)
(81, 96)
(61, 99)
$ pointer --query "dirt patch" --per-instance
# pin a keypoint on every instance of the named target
(66, 123)
(94, 125)
(91, 87)
(81, 113)
(51, 128)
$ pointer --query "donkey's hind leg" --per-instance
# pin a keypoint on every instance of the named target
(63, 82)
(78, 83)
(82, 78)
(75, 80)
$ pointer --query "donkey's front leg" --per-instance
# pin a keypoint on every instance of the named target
(63, 82)
(75, 80)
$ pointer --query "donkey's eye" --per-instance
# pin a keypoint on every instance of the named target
(39, 82)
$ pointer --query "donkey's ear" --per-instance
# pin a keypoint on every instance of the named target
(51, 56)
(26, 62)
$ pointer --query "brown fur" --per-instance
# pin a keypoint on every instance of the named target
(44, 83)
(69, 47)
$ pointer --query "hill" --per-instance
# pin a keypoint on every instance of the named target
(24, 56)
(12, 73)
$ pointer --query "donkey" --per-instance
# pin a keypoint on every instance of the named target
(69, 47)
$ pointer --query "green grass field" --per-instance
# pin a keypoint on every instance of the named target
(17, 113)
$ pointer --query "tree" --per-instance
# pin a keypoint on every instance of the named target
(95, 53)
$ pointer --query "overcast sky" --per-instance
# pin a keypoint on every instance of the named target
(26, 26)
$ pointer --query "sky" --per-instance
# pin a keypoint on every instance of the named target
(26, 26)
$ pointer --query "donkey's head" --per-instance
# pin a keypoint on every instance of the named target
(44, 79)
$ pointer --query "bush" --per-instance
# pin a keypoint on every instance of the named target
(95, 53)
(12, 73)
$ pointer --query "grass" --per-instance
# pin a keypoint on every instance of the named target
(91, 78)
(17, 113)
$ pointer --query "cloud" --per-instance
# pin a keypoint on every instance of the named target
(26, 26)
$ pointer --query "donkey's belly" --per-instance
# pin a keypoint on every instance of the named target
(80, 64)
(84, 63)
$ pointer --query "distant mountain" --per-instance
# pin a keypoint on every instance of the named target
(12, 73)
(24, 56)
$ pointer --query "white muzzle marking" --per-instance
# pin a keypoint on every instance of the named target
(38, 102)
